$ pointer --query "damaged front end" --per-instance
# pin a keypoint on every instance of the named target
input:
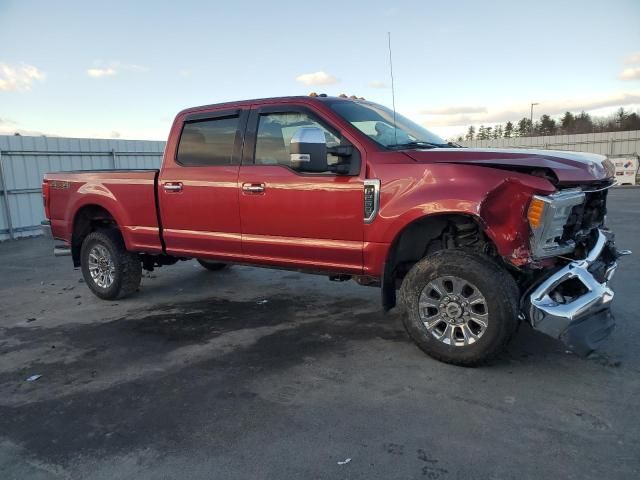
(573, 302)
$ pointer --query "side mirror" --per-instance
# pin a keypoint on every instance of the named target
(308, 150)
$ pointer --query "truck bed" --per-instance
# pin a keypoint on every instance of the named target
(128, 195)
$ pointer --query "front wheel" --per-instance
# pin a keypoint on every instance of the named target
(109, 270)
(461, 307)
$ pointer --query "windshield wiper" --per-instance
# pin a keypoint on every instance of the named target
(408, 145)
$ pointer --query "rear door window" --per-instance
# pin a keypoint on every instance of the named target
(206, 143)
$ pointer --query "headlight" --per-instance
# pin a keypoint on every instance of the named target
(547, 216)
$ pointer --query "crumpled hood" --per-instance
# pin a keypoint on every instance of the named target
(569, 167)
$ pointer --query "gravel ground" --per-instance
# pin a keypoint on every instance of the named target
(252, 373)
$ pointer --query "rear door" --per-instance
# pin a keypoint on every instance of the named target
(198, 187)
(290, 218)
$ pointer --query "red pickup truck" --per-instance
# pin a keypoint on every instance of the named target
(471, 241)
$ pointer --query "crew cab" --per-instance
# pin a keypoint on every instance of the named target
(470, 242)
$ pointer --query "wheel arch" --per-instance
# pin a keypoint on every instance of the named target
(426, 234)
(89, 218)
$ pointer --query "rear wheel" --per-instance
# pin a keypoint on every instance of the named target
(109, 270)
(213, 266)
(461, 307)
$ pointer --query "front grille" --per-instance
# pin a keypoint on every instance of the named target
(586, 217)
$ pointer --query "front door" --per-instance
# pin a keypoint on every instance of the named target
(198, 187)
(291, 218)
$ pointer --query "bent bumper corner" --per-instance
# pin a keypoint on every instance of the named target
(583, 318)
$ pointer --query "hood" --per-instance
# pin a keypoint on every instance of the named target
(568, 167)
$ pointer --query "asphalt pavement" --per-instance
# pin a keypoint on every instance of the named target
(255, 373)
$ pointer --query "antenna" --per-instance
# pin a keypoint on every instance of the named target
(393, 91)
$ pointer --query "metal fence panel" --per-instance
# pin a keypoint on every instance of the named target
(24, 160)
(609, 143)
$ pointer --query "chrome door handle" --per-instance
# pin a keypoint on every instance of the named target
(253, 187)
(172, 187)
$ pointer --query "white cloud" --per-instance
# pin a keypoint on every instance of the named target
(504, 113)
(632, 58)
(454, 110)
(317, 78)
(14, 78)
(100, 72)
(9, 127)
(632, 73)
(185, 73)
(378, 84)
(108, 69)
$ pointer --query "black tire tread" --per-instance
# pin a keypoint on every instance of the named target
(127, 262)
(500, 281)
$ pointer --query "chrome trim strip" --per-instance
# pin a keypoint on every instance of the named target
(376, 198)
(615, 182)
(61, 251)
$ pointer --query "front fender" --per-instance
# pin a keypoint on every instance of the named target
(497, 199)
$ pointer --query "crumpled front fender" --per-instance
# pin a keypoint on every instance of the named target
(503, 212)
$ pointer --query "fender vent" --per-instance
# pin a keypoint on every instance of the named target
(371, 199)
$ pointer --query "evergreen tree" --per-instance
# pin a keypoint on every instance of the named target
(524, 127)
(488, 133)
(508, 130)
(547, 125)
(584, 123)
(631, 122)
(568, 122)
(470, 133)
(482, 133)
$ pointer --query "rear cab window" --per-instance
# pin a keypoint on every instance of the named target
(208, 142)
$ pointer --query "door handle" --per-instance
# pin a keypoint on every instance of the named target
(172, 186)
(253, 187)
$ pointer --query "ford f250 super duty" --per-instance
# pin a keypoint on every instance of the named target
(471, 242)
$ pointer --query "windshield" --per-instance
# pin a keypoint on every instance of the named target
(376, 122)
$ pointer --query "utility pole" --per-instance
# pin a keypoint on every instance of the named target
(531, 119)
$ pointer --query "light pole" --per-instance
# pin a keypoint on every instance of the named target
(531, 119)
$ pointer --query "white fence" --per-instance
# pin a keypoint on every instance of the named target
(611, 143)
(24, 161)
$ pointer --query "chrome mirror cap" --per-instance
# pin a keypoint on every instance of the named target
(309, 135)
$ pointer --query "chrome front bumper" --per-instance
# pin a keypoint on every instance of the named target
(584, 321)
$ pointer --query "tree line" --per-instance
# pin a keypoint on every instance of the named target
(568, 124)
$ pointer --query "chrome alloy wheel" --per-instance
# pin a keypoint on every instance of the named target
(453, 310)
(101, 266)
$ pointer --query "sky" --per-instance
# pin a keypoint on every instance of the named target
(121, 69)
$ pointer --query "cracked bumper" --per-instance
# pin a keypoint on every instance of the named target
(585, 320)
